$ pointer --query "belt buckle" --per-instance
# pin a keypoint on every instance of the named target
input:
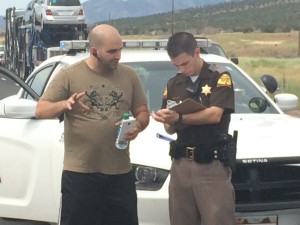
(190, 153)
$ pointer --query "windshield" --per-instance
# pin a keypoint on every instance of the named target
(154, 77)
(213, 49)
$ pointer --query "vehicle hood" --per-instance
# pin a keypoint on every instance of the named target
(147, 149)
(262, 138)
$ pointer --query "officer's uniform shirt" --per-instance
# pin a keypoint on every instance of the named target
(215, 89)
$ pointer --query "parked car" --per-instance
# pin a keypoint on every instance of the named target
(207, 46)
(267, 175)
(28, 16)
(213, 47)
(58, 12)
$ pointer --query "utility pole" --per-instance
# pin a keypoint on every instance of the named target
(172, 17)
(299, 42)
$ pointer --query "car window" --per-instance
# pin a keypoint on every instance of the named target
(245, 91)
(154, 77)
(64, 2)
(214, 49)
(39, 80)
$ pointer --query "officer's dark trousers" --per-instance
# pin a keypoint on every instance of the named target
(201, 192)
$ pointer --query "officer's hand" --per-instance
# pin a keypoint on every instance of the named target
(165, 116)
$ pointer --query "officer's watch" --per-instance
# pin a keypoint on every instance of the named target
(179, 123)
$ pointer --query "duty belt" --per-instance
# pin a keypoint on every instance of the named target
(200, 154)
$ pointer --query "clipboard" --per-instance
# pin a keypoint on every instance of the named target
(188, 106)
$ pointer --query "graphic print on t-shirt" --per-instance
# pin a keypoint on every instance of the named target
(102, 100)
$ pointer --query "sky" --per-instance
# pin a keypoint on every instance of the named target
(19, 4)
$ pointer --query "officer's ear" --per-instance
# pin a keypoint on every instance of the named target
(197, 51)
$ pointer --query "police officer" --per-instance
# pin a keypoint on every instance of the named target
(200, 188)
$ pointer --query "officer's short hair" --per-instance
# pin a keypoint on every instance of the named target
(181, 42)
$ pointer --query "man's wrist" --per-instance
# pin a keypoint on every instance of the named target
(179, 123)
(138, 125)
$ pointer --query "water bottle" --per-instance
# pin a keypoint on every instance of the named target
(121, 144)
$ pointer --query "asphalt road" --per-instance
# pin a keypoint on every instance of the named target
(16, 222)
(7, 87)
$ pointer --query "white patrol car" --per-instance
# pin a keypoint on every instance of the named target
(267, 176)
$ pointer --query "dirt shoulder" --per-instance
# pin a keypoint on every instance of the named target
(295, 113)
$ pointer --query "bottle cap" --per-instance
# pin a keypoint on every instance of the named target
(125, 116)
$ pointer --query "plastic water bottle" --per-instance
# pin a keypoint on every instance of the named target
(121, 144)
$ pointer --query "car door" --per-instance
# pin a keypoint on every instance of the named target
(31, 151)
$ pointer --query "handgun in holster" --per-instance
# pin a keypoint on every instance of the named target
(227, 149)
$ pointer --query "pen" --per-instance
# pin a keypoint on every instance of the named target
(163, 137)
(200, 99)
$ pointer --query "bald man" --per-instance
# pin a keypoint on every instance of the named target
(98, 185)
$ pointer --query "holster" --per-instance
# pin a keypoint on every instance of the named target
(227, 149)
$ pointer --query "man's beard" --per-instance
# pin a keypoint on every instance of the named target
(109, 66)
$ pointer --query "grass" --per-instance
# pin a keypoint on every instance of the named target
(276, 54)
(286, 71)
(259, 44)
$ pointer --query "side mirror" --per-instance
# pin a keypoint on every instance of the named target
(269, 82)
(258, 105)
(286, 101)
(235, 60)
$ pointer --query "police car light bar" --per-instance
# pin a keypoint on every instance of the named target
(74, 45)
(151, 43)
(158, 43)
(145, 43)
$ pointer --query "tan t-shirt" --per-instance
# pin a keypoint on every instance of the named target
(90, 136)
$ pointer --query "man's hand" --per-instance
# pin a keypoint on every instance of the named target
(166, 116)
(133, 133)
(74, 100)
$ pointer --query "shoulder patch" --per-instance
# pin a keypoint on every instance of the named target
(224, 80)
(165, 93)
(214, 68)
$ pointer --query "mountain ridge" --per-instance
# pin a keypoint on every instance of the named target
(236, 16)
(98, 11)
